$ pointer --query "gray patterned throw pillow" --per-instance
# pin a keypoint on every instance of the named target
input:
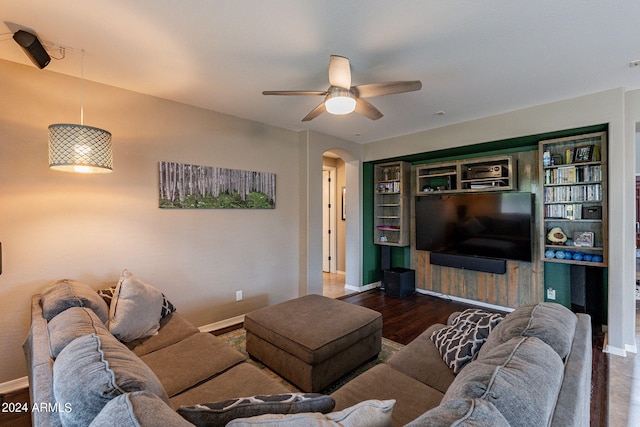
(220, 413)
(459, 343)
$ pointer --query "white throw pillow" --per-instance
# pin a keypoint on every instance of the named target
(136, 309)
(370, 413)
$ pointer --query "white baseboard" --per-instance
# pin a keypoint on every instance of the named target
(14, 385)
(622, 352)
(617, 351)
(464, 300)
(222, 324)
(363, 288)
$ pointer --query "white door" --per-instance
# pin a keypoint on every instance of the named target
(328, 220)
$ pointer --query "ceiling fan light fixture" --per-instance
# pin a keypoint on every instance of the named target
(340, 101)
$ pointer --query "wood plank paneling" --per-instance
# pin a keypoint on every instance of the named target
(520, 285)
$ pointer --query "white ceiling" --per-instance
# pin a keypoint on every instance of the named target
(474, 58)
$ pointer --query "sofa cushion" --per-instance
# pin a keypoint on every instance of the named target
(370, 413)
(420, 359)
(173, 328)
(521, 378)
(190, 361)
(220, 413)
(139, 408)
(462, 413)
(72, 323)
(135, 310)
(67, 293)
(382, 382)
(243, 379)
(552, 323)
(459, 343)
(92, 370)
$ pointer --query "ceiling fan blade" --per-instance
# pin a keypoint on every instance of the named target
(387, 88)
(294, 92)
(366, 109)
(339, 72)
(315, 112)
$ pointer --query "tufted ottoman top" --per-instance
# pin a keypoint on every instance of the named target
(313, 328)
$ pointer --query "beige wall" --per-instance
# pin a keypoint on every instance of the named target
(55, 225)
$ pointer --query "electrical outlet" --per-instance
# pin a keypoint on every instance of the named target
(551, 294)
(238, 295)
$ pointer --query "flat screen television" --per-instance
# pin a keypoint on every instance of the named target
(494, 225)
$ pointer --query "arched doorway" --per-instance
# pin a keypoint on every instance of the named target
(333, 225)
(316, 146)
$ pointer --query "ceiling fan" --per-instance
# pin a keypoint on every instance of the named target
(342, 98)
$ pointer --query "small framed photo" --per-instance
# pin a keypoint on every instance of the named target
(583, 154)
(583, 239)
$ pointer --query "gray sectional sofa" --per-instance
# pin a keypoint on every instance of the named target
(533, 370)
(534, 367)
(135, 361)
(187, 367)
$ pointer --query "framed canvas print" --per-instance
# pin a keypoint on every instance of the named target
(186, 186)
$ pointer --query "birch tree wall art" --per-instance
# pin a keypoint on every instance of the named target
(184, 186)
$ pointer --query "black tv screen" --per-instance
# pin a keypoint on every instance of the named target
(495, 225)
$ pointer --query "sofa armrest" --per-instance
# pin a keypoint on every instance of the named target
(574, 400)
(40, 367)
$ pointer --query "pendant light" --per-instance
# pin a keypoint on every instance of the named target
(79, 148)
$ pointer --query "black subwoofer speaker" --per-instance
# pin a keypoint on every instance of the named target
(32, 46)
(399, 282)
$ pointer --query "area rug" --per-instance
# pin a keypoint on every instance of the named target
(237, 339)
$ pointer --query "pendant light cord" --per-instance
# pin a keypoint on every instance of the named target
(82, 88)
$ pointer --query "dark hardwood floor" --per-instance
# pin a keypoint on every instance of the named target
(403, 320)
(13, 414)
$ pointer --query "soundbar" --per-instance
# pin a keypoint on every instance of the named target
(475, 263)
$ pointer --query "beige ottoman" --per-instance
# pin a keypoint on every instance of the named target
(312, 341)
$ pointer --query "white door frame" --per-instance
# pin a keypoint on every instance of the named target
(329, 222)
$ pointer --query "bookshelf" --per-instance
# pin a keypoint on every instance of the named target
(573, 179)
(391, 203)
